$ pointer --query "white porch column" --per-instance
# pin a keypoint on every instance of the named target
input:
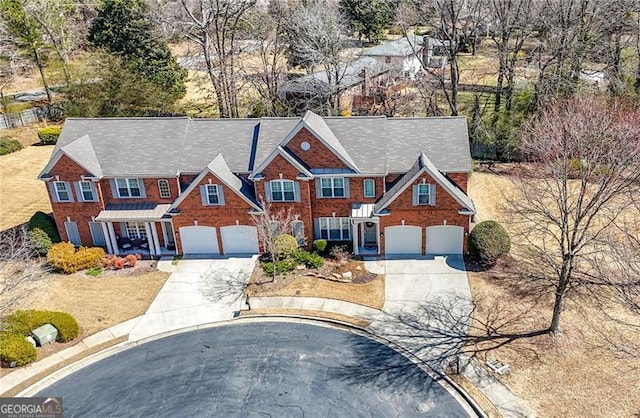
(107, 237)
(152, 248)
(354, 237)
(112, 237)
(156, 241)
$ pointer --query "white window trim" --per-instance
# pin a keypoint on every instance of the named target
(160, 190)
(66, 190)
(282, 182)
(364, 188)
(91, 190)
(333, 187)
(138, 229)
(215, 192)
(345, 224)
(428, 194)
(127, 180)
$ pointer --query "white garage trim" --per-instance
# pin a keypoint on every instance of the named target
(403, 239)
(199, 240)
(239, 239)
(445, 239)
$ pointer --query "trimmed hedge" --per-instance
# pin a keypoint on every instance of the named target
(9, 145)
(40, 241)
(488, 242)
(15, 347)
(310, 260)
(49, 135)
(46, 223)
(23, 322)
(63, 257)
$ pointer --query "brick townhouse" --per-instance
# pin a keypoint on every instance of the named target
(189, 186)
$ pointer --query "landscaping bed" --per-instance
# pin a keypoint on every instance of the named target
(363, 287)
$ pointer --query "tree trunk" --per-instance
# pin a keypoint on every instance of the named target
(36, 56)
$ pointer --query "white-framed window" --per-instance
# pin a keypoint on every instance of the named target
(369, 188)
(332, 187)
(424, 194)
(335, 229)
(86, 190)
(62, 191)
(282, 191)
(213, 194)
(163, 188)
(297, 230)
(136, 230)
(128, 188)
(274, 227)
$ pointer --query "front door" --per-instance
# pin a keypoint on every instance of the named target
(370, 234)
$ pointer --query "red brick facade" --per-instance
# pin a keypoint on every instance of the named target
(236, 209)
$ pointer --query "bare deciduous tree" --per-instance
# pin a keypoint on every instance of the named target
(581, 181)
(270, 223)
(215, 26)
(19, 270)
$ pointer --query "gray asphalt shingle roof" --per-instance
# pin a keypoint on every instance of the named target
(156, 147)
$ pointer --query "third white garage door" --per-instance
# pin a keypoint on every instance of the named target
(239, 239)
(403, 239)
(445, 239)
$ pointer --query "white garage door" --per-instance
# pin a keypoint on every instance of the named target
(199, 240)
(403, 239)
(239, 239)
(444, 239)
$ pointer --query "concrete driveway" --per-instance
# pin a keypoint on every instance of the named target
(199, 291)
(426, 298)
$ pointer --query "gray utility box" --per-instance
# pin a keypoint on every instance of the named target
(45, 334)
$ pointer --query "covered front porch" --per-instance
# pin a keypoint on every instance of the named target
(136, 229)
(365, 230)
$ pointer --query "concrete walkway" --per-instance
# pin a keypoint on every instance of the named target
(341, 307)
(199, 291)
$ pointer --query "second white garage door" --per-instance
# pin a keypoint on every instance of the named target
(199, 240)
(403, 239)
(445, 239)
(239, 239)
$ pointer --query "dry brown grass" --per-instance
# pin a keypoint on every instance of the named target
(98, 302)
(485, 404)
(574, 374)
(368, 294)
(21, 195)
(307, 312)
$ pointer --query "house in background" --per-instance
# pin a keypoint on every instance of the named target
(405, 57)
(189, 186)
(352, 80)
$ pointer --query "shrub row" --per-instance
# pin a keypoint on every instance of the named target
(49, 135)
(15, 348)
(65, 258)
(23, 322)
(9, 145)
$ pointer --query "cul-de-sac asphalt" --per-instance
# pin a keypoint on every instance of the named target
(262, 369)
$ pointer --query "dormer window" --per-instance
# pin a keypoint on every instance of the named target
(213, 196)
